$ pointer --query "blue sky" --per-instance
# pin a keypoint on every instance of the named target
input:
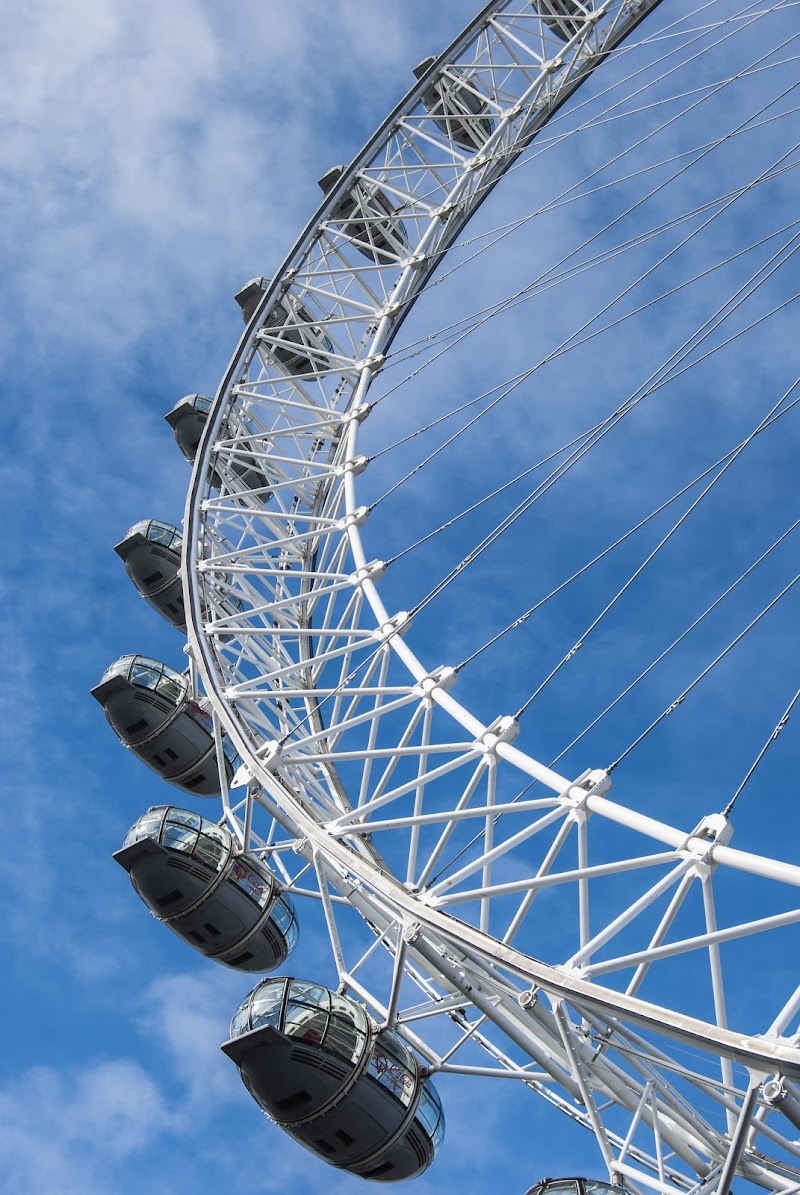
(155, 158)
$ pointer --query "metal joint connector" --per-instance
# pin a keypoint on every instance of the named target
(443, 677)
(395, 626)
(502, 730)
(369, 572)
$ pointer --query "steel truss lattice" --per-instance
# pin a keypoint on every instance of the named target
(363, 773)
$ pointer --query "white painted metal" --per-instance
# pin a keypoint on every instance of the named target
(362, 756)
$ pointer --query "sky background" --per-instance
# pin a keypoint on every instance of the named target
(153, 158)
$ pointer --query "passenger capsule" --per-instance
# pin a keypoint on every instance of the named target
(319, 1068)
(564, 17)
(574, 1186)
(303, 343)
(456, 108)
(152, 711)
(368, 217)
(188, 418)
(151, 552)
(192, 875)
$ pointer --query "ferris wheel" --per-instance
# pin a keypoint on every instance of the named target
(491, 911)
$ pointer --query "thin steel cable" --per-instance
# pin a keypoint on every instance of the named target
(704, 274)
(476, 837)
(676, 526)
(772, 738)
(488, 497)
(564, 346)
(627, 290)
(549, 280)
(512, 626)
(721, 656)
(683, 635)
(666, 124)
(660, 375)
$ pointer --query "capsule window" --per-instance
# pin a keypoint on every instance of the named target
(266, 1008)
(209, 850)
(392, 1074)
(179, 838)
(257, 887)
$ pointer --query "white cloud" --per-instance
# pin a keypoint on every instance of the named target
(63, 1133)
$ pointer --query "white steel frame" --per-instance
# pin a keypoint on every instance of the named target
(368, 767)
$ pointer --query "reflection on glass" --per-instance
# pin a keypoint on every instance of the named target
(148, 674)
(347, 1031)
(305, 1020)
(179, 838)
(254, 885)
(394, 1068)
(185, 831)
(283, 915)
(158, 533)
(266, 1008)
(211, 850)
(430, 1114)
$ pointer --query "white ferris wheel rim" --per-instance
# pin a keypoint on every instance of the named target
(431, 934)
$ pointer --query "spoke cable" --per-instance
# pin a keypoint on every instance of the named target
(660, 375)
(647, 137)
(550, 279)
(772, 738)
(717, 659)
(532, 784)
(684, 634)
(655, 551)
(704, 274)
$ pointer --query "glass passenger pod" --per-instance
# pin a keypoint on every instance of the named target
(192, 876)
(564, 17)
(304, 345)
(151, 711)
(457, 109)
(188, 418)
(368, 217)
(151, 553)
(575, 1186)
(352, 1095)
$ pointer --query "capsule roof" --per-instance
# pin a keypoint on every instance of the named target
(250, 296)
(187, 419)
(155, 532)
(456, 107)
(146, 674)
(564, 17)
(574, 1186)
